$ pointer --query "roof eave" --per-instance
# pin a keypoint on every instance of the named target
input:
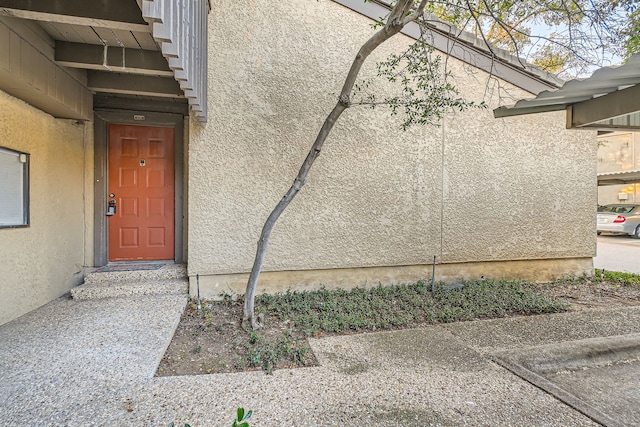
(501, 112)
(469, 49)
(610, 92)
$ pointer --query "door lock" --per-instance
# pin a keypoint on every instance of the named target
(111, 208)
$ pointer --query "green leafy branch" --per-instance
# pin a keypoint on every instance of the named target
(426, 91)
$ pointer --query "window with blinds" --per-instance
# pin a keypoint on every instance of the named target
(14, 188)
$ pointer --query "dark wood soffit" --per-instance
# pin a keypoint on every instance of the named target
(112, 58)
(107, 82)
(141, 103)
(116, 14)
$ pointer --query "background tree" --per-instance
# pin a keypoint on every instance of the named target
(630, 30)
(582, 33)
(560, 36)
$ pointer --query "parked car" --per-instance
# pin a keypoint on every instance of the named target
(619, 219)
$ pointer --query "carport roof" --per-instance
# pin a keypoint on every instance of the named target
(610, 98)
(616, 178)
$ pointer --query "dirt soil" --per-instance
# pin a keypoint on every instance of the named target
(213, 341)
(593, 294)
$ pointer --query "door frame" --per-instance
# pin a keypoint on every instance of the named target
(102, 119)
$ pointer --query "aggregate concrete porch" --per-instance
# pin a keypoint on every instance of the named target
(130, 279)
(82, 363)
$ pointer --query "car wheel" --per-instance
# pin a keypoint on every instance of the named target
(636, 233)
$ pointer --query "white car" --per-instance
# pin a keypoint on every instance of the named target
(619, 219)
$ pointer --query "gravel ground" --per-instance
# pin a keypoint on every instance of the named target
(82, 363)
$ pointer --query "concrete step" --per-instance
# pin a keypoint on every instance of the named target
(136, 273)
(129, 289)
(118, 281)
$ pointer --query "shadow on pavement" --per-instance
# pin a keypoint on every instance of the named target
(597, 376)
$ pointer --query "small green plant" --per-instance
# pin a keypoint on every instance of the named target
(241, 419)
(240, 363)
(627, 279)
(227, 299)
(253, 337)
(267, 356)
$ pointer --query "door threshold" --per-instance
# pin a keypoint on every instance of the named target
(133, 266)
(165, 261)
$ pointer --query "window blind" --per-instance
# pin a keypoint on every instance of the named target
(13, 188)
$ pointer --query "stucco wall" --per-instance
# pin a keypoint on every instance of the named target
(473, 189)
(512, 186)
(43, 261)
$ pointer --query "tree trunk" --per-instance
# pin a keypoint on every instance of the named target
(399, 16)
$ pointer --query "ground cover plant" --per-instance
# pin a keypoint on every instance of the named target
(620, 278)
(390, 307)
(211, 339)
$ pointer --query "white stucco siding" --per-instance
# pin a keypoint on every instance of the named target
(376, 196)
(518, 188)
(44, 260)
(272, 86)
(515, 188)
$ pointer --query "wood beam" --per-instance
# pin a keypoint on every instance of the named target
(615, 104)
(115, 14)
(106, 82)
(141, 103)
(111, 58)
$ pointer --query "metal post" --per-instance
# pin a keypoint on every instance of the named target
(198, 282)
(433, 278)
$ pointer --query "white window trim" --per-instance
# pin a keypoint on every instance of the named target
(14, 202)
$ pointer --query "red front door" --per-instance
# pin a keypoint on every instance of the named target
(141, 182)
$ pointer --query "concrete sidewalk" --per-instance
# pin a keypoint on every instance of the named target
(82, 363)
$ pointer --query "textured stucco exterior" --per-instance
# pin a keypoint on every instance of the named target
(474, 189)
(44, 260)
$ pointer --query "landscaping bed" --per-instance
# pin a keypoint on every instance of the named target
(210, 339)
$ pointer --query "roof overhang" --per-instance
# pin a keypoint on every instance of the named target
(619, 178)
(56, 55)
(610, 98)
(465, 47)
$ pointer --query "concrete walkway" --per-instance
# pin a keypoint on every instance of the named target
(618, 253)
(83, 363)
